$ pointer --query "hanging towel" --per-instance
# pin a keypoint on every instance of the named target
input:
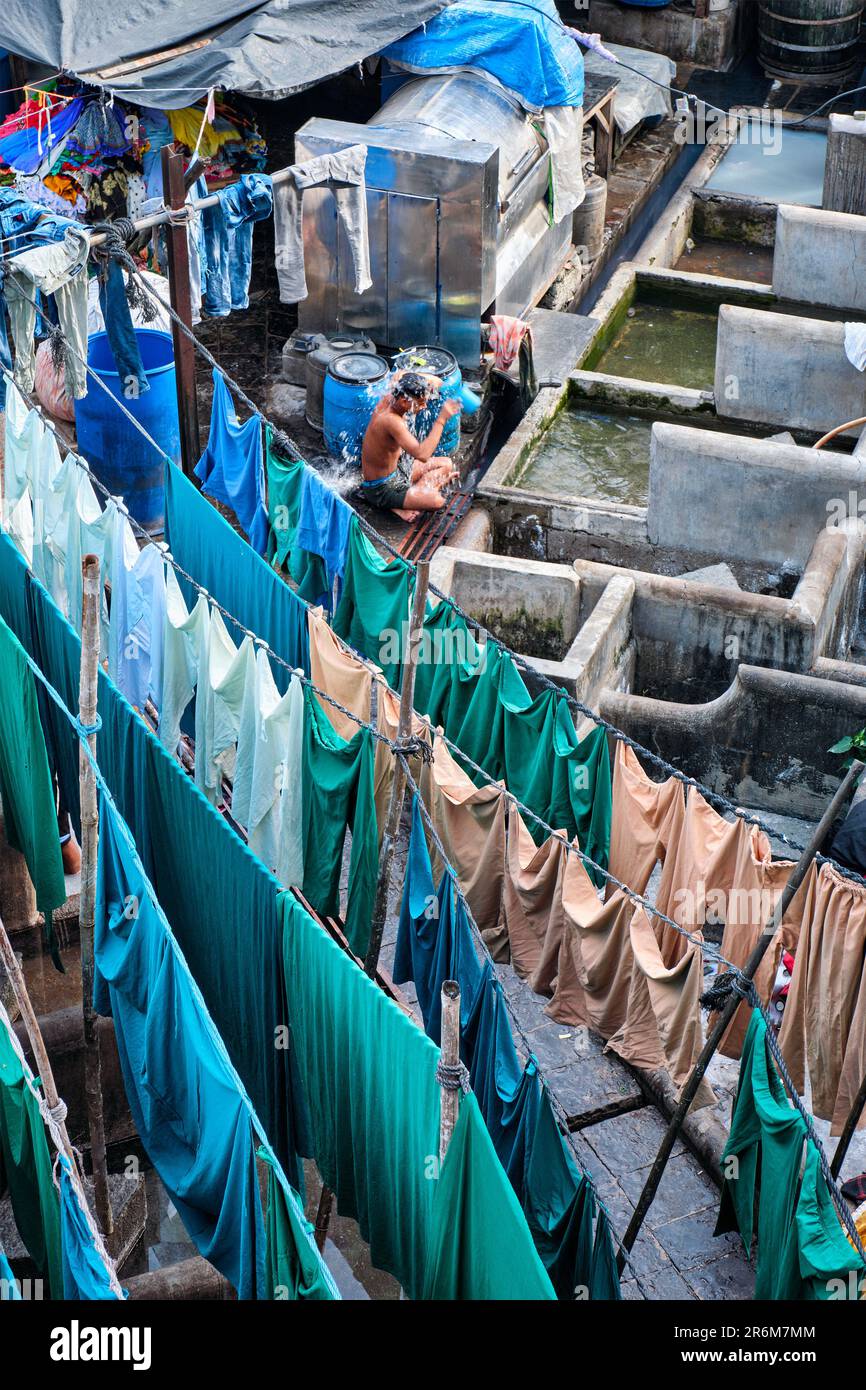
(290, 1271)
(85, 1275)
(229, 677)
(231, 469)
(285, 480)
(137, 626)
(373, 612)
(26, 789)
(267, 796)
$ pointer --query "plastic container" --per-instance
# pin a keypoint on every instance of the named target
(588, 221)
(438, 361)
(120, 456)
(319, 356)
(354, 383)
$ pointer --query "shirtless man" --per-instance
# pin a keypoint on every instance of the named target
(400, 471)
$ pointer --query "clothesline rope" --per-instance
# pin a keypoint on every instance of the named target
(213, 1032)
(285, 440)
(52, 1122)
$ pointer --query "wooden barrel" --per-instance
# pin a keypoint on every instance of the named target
(809, 40)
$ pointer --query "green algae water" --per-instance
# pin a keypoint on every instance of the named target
(586, 453)
(658, 342)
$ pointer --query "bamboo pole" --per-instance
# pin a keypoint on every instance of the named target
(398, 786)
(848, 1130)
(87, 703)
(449, 1087)
(730, 1008)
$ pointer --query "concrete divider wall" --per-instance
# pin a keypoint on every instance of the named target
(781, 369)
(762, 743)
(820, 256)
(746, 499)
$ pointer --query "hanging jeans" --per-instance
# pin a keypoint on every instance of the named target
(121, 333)
(343, 173)
(59, 268)
(228, 242)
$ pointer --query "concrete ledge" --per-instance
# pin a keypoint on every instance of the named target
(777, 368)
(820, 256)
(748, 499)
(762, 743)
(708, 43)
(531, 605)
(596, 655)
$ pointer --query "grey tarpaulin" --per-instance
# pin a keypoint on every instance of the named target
(162, 53)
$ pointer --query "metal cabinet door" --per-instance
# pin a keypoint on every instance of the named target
(413, 270)
(367, 312)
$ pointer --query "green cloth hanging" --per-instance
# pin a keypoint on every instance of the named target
(800, 1241)
(479, 697)
(284, 501)
(373, 612)
(339, 794)
(370, 1076)
(26, 788)
(26, 1168)
(291, 1270)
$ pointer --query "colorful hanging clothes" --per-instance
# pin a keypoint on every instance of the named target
(26, 789)
(373, 612)
(293, 1268)
(323, 526)
(231, 469)
(218, 898)
(285, 478)
(340, 675)
(26, 1168)
(802, 1250)
(9, 1288)
(434, 944)
(267, 792)
(374, 1101)
(339, 795)
(205, 545)
(186, 1099)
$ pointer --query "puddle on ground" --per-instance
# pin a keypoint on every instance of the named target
(658, 342)
(730, 260)
(587, 453)
(787, 171)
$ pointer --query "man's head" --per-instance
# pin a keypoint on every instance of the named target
(410, 392)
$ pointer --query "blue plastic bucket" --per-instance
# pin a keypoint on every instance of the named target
(354, 383)
(120, 456)
(438, 361)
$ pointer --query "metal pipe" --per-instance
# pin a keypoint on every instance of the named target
(840, 429)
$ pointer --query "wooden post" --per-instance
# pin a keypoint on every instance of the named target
(398, 786)
(848, 1130)
(845, 170)
(449, 1098)
(726, 1014)
(34, 1033)
(323, 1217)
(87, 703)
(174, 195)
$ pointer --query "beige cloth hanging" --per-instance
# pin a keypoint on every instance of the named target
(823, 1031)
(532, 910)
(470, 822)
(334, 670)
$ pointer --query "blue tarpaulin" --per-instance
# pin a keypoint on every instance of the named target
(525, 47)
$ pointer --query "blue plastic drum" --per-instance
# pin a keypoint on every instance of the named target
(436, 361)
(354, 384)
(120, 456)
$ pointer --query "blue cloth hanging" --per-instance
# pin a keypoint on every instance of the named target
(232, 469)
(188, 1111)
(9, 1290)
(434, 944)
(323, 524)
(205, 545)
(84, 1273)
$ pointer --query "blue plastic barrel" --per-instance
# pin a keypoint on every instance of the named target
(118, 453)
(354, 383)
(436, 361)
